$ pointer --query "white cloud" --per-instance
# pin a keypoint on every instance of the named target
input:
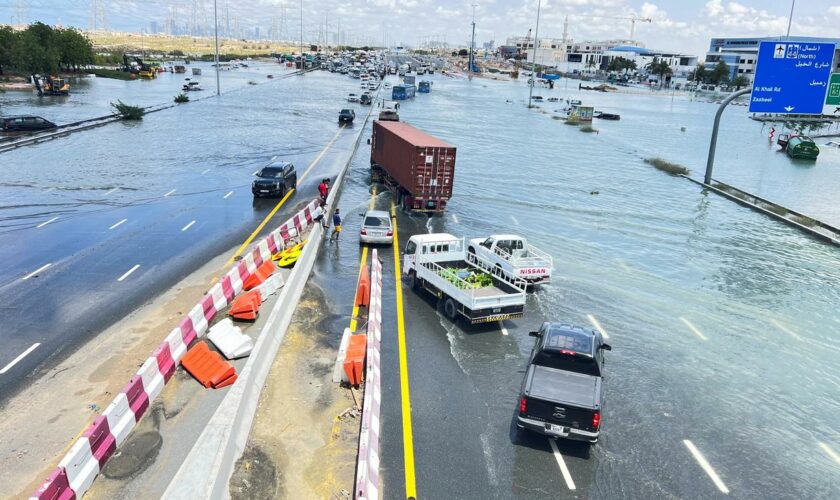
(834, 10)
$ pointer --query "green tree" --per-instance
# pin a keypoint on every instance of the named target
(698, 74)
(659, 68)
(740, 81)
(720, 74)
(30, 55)
(621, 65)
(8, 39)
(75, 49)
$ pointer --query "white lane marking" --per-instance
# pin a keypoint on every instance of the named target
(205, 171)
(597, 325)
(167, 194)
(706, 466)
(111, 191)
(20, 357)
(120, 223)
(831, 453)
(226, 196)
(455, 218)
(45, 223)
(624, 265)
(128, 273)
(786, 330)
(514, 220)
(255, 172)
(693, 329)
(502, 326)
(35, 272)
(187, 226)
(49, 189)
(563, 469)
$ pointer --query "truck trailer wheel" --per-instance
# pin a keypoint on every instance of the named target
(449, 308)
(412, 280)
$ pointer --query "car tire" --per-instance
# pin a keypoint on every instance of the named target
(449, 309)
(412, 280)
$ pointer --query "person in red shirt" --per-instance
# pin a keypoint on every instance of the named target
(323, 188)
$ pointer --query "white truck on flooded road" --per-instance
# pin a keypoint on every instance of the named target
(463, 284)
(515, 256)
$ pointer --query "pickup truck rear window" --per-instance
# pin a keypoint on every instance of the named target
(567, 362)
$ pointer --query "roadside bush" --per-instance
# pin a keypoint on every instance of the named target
(666, 166)
(571, 122)
(588, 129)
(804, 220)
(181, 98)
(128, 112)
(776, 209)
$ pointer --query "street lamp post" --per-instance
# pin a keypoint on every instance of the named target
(216, 23)
(534, 59)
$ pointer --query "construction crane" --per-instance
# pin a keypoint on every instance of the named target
(632, 20)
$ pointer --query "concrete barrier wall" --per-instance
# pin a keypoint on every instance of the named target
(80, 466)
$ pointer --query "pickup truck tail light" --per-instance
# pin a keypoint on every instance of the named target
(523, 406)
(389, 233)
(364, 232)
(596, 420)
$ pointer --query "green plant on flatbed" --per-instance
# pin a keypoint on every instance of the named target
(181, 98)
(473, 280)
(666, 166)
(128, 112)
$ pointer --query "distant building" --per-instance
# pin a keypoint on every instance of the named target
(153, 27)
(508, 51)
(591, 56)
(741, 54)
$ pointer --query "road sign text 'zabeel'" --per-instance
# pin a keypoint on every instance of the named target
(791, 77)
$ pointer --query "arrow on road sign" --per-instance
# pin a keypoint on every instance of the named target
(788, 108)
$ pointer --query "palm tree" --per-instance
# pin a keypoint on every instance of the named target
(660, 68)
(740, 81)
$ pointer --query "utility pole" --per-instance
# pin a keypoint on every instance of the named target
(216, 24)
(302, 60)
(534, 60)
(472, 45)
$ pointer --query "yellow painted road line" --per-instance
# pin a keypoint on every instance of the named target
(408, 438)
(353, 322)
(281, 202)
(693, 329)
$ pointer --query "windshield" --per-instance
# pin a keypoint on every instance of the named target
(377, 222)
(273, 173)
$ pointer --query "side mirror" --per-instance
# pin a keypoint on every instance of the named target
(535, 334)
(606, 347)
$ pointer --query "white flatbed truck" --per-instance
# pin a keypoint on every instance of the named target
(439, 263)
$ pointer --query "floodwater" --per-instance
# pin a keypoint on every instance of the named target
(723, 322)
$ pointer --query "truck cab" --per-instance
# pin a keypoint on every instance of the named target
(561, 394)
(513, 254)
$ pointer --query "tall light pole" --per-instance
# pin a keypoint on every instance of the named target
(472, 45)
(790, 18)
(534, 59)
(216, 23)
(302, 61)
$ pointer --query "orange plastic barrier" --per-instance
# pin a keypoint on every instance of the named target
(246, 307)
(265, 270)
(208, 367)
(363, 290)
(354, 361)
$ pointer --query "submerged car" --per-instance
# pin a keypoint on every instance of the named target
(346, 116)
(376, 228)
(803, 147)
(275, 179)
(25, 123)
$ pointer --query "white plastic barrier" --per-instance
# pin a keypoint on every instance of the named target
(81, 466)
(120, 418)
(339, 375)
(271, 285)
(230, 339)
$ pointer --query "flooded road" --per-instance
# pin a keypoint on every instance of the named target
(723, 322)
(96, 223)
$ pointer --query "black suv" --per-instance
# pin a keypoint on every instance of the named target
(346, 116)
(25, 124)
(275, 179)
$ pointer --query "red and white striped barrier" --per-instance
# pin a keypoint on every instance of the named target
(367, 469)
(80, 466)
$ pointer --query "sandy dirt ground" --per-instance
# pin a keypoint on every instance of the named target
(41, 423)
(304, 440)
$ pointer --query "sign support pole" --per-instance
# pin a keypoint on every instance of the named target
(710, 160)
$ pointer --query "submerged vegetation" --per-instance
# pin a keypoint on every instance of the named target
(667, 166)
(181, 98)
(128, 112)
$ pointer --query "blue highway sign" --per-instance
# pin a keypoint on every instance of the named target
(791, 77)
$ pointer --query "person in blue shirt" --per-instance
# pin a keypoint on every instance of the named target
(336, 225)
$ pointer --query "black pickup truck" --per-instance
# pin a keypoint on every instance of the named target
(561, 394)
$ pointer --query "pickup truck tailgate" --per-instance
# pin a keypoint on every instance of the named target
(562, 397)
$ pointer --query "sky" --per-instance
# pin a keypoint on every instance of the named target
(676, 25)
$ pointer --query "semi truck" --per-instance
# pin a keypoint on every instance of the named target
(440, 264)
(417, 168)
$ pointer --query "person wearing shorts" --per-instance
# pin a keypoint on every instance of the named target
(336, 225)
